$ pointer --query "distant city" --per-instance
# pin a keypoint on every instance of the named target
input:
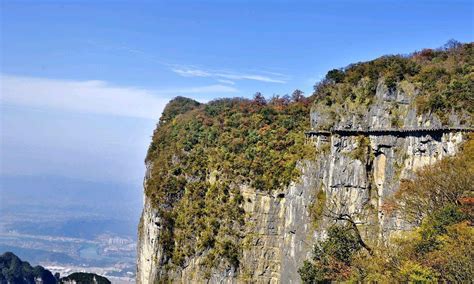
(68, 231)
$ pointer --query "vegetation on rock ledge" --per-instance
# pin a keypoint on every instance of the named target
(441, 79)
(202, 153)
(440, 202)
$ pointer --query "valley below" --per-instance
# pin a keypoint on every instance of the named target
(64, 235)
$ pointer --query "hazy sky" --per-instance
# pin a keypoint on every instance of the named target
(84, 82)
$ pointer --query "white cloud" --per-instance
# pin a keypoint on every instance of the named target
(83, 96)
(195, 72)
(207, 89)
(94, 96)
(226, 82)
(191, 72)
(71, 142)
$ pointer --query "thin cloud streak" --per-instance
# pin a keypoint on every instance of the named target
(207, 89)
(195, 72)
(223, 81)
(191, 73)
(94, 96)
(225, 77)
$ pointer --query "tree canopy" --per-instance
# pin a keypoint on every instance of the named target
(200, 157)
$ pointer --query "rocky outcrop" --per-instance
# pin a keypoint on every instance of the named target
(359, 172)
(84, 277)
(357, 182)
(356, 174)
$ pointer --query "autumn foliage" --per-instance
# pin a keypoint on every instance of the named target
(439, 203)
(200, 156)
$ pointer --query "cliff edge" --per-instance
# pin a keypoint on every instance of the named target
(235, 191)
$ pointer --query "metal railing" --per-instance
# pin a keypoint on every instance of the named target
(387, 131)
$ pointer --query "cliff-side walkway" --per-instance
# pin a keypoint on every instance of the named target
(387, 131)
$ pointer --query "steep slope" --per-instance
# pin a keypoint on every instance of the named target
(205, 168)
(233, 193)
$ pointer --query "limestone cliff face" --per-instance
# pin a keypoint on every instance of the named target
(149, 252)
(279, 237)
(356, 174)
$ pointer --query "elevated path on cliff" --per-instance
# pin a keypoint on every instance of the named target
(388, 131)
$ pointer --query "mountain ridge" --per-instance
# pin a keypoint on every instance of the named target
(233, 190)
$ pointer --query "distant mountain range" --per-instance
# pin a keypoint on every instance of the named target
(14, 270)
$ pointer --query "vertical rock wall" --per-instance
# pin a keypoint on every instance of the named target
(356, 173)
(280, 231)
(148, 250)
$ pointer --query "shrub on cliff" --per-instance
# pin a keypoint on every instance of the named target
(331, 257)
(177, 106)
(438, 199)
(437, 186)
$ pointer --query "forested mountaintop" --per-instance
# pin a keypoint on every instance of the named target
(442, 80)
(202, 154)
(14, 270)
(199, 157)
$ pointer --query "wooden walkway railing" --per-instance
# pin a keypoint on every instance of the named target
(387, 131)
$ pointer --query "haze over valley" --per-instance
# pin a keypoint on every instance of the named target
(236, 141)
(77, 226)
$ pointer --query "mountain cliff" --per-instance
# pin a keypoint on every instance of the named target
(246, 190)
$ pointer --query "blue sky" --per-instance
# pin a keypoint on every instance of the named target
(84, 82)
